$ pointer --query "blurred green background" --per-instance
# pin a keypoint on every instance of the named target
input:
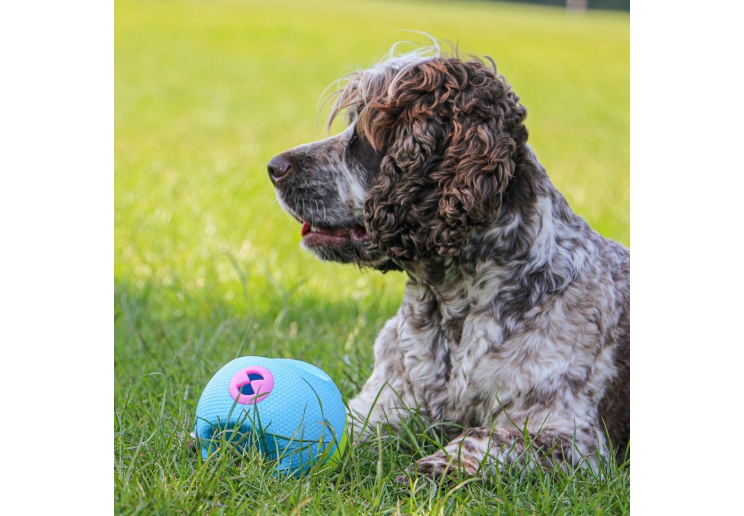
(207, 266)
(207, 92)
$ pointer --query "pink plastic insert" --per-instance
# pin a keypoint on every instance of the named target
(258, 390)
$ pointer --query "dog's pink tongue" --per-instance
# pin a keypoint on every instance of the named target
(305, 228)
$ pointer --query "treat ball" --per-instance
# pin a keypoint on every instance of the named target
(290, 410)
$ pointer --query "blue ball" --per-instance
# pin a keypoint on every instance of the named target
(290, 410)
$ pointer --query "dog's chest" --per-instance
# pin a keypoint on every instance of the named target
(441, 359)
(467, 380)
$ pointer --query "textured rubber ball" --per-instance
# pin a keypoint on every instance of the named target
(290, 410)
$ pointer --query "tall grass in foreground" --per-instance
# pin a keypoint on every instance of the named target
(207, 266)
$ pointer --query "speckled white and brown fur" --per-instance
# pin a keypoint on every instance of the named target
(524, 325)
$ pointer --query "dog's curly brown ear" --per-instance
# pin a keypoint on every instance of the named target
(450, 130)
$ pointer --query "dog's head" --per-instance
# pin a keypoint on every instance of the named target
(429, 151)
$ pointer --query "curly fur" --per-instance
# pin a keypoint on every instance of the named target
(516, 312)
(449, 130)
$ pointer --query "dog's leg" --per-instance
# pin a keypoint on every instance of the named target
(483, 451)
(386, 396)
(379, 403)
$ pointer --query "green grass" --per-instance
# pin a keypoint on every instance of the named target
(207, 266)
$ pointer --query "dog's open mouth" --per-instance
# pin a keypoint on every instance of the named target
(315, 236)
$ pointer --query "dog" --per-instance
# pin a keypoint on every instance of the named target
(515, 322)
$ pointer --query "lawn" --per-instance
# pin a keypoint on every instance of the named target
(207, 265)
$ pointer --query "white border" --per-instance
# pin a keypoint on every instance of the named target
(686, 202)
(56, 211)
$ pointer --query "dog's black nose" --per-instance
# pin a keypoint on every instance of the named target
(279, 166)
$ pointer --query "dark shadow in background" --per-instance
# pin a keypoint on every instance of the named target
(614, 5)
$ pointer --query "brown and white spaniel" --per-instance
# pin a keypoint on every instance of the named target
(515, 323)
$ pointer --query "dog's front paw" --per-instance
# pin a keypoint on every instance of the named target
(439, 464)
